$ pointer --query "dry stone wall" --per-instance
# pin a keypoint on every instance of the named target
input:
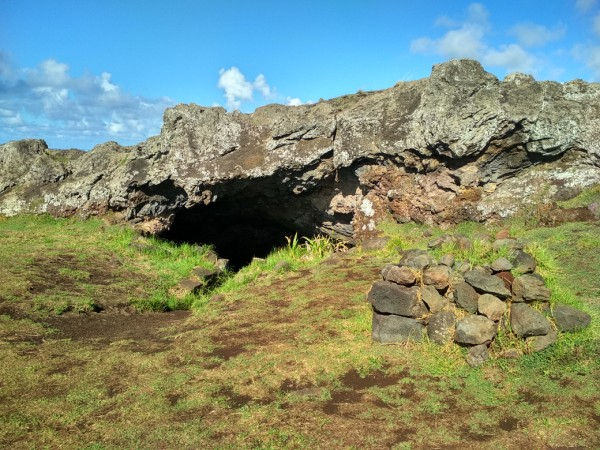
(452, 301)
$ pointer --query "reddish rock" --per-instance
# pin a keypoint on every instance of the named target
(507, 277)
(437, 276)
(503, 234)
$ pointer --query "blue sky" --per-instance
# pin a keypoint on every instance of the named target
(78, 73)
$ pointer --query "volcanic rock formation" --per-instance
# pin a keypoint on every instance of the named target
(458, 145)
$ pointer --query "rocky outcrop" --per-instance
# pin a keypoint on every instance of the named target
(458, 145)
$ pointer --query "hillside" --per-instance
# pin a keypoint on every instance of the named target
(277, 356)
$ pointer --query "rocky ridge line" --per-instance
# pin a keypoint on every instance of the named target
(458, 145)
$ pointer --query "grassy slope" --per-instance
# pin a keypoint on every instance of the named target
(283, 359)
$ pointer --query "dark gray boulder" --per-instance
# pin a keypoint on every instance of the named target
(477, 355)
(390, 298)
(523, 262)
(440, 328)
(389, 329)
(416, 259)
(466, 297)
(501, 265)
(475, 330)
(447, 260)
(539, 343)
(526, 321)
(487, 284)
(506, 242)
(568, 318)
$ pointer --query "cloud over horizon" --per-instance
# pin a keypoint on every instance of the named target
(238, 89)
(48, 102)
(468, 38)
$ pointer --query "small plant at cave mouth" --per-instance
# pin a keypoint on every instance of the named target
(316, 247)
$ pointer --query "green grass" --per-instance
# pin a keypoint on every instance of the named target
(69, 265)
(584, 199)
(235, 373)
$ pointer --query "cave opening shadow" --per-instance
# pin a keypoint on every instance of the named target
(237, 237)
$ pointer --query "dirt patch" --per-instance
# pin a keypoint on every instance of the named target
(105, 328)
(508, 423)
(354, 392)
(378, 378)
(10, 311)
(530, 397)
(340, 399)
(232, 399)
(226, 353)
(291, 386)
(65, 366)
(173, 398)
(64, 271)
(468, 435)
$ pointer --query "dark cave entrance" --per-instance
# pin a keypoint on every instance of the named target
(237, 235)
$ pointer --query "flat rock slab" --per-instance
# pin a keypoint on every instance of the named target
(501, 265)
(189, 286)
(475, 330)
(204, 273)
(491, 307)
(487, 284)
(568, 318)
(390, 298)
(416, 259)
(530, 288)
(440, 328)
(389, 329)
(432, 298)
(399, 275)
(526, 321)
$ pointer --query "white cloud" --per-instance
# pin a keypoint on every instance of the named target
(466, 42)
(238, 89)
(260, 84)
(585, 5)
(534, 35)
(467, 39)
(445, 21)
(293, 101)
(590, 56)
(47, 102)
(597, 24)
(478, 14)
(511, 57)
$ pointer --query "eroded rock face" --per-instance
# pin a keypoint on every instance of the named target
(458, 145)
